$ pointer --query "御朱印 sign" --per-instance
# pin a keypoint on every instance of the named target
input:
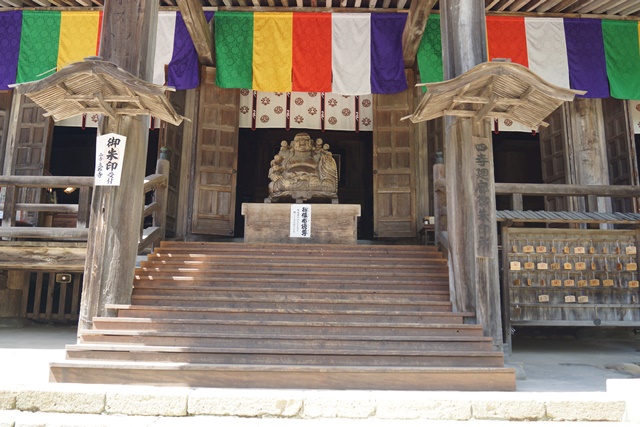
(109, 158)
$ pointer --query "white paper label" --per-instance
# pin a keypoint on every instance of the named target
(300, 222)
(109, 158)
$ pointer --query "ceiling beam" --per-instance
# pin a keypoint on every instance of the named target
(199, 29)
(413, 29)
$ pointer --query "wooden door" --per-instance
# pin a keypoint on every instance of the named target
(32, 146)
(620, 149)
(216, 158)
(553, 156)
(435, 143)
(394, 198)
(171, 137)
(5, 112)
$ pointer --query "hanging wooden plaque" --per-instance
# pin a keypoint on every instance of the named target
(594, 282)
(630, 250)
(581, 265)
(543, 298)
(583, 299)
(570, 298)
(607, 283)
(556, 282)
(579, 250)
(515, 265)
(569, 283)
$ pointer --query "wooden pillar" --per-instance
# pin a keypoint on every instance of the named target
(128, 33)
(470, 180)
(587, 147)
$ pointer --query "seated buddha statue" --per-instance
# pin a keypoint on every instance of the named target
(303, 170)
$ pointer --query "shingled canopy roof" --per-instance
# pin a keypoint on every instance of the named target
(95, 86)
(501, 90)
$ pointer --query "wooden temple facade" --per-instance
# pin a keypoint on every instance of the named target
(554, 246)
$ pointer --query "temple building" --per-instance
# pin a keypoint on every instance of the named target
(318, 193)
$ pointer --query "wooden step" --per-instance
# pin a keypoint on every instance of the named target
(352, 283)
(328, 328)
(268, 340)
(319, 304)
(296, 273)
(270, 376)
(280, 294)
(285, 356)
(214, 313)
(199, 247)
(201, 259)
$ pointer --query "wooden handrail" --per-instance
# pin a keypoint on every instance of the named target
(567, 190)
(154, 181)
(13, 183)
(46, 181)
(157, 183)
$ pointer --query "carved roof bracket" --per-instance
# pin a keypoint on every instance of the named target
(96, 86)
(494, 90)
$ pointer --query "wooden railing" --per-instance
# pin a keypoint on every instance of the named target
(156, 211)
(24, 230)
(157, 184)
(588, 193)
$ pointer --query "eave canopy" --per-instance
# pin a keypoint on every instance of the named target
(94, 86)
(499, 90)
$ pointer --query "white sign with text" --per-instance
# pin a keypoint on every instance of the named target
(300, 223)
(109, 158)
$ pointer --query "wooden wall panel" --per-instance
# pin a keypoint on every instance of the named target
(394, 183)
(216, 159)
(620, 149)
(553, 140)
(172, 138)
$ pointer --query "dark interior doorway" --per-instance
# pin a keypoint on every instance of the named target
(353, 154)
(517, 160)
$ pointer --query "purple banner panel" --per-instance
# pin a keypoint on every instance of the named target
(587, 62)
(10, 30)
(387, 63)
(184, 66)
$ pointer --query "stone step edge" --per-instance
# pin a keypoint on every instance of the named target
(312, 404)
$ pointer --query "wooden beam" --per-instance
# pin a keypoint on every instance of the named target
(43, 257)
(199, 29)
(471, 220)
(128, 37)
(414, 28)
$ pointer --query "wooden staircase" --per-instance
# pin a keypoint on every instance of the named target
(288, 316)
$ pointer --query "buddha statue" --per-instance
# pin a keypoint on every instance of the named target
(302, 170)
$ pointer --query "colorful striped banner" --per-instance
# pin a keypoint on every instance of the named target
(347, 53)
(599, 56)
(34, 44)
